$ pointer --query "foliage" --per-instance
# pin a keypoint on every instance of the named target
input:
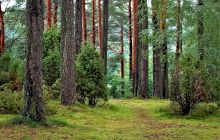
(52, 39)
(191, 83)
(204, 109)
(10, 102)
(52, 66)
(51, 55)
(90, 76)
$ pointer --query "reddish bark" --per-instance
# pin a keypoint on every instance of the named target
(2, 32)
(84, 32)
(100, 27)
(55, 13)
(130, 39)
(49, 13)
(93, 20)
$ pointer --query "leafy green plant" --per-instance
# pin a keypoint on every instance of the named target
(90, 76)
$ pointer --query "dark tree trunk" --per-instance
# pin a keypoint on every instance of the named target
(34, 106)
(84, 31)
(164, 84)
(78, 26)
(122, 60)
(135, 43)
(130, 40)
(143, 89)
(200, 30)
(93, 21)
(105, 32)
(2, 31)
(55, 13)
(100, 28)
(68, 87)
(156, 52)
(49, 13)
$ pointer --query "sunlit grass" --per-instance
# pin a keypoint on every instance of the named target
(117, 119)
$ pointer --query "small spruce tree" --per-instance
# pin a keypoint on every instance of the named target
(90, 80)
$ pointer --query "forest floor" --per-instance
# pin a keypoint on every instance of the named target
(115, 120)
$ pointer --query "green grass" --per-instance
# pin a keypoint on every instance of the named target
(117, 120)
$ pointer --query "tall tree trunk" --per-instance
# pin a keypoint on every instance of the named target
(55, 12)
(164, 84)
(105, 32)
(84, 32)
(93, 21)
(78, 26)
(33, 89)
(156, 52)
(100, 27)
(2, 31)
(200, 30)
(143, 90)
(68, 87)
(49, 13)
(122, 60)
(130, 39)
(134, 50)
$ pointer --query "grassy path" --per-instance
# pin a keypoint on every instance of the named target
(115, 120)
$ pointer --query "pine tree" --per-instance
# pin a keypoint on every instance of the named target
(68, 87)
(78, 26)
(33, 88)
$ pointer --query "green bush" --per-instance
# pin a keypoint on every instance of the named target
(90, 76)
(51, 65)
(174, 108)
(10, 103)
(204, 109)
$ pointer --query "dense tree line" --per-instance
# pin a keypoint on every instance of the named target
(151, 47)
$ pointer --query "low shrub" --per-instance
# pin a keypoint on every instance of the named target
(204, 109)
(10, 103)
(174, 108)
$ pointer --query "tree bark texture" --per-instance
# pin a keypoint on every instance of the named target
(122, 59)
(130, 39)
(34, 106)
(156, 52)
(68, 87)
(84, 31)
(55, 12)
(105, 32)
(164, 84)
(93, 21)
(100, 27)
(143, 89)
(78, 26)
(2, 31)
(49, 13)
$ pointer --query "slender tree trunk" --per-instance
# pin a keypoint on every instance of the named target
(200, 30)
(68, 87)
(55, 12)
(78, 26)
(122, 60)
(156, 52)
(100, 27)
(164, 89)
(130, 39)
(2, 31)
(105, 32)
(134, 50)
(33, 96)
(143, 90)
(84, 32)
(93, 21)
(49, 13)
